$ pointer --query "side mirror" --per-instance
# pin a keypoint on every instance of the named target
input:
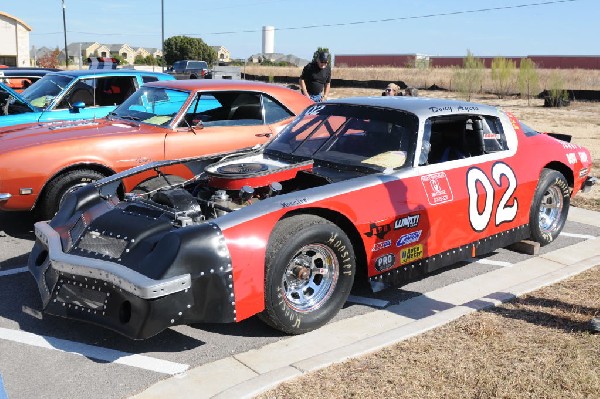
(75, 108)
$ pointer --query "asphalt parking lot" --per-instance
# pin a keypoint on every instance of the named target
(48, 357)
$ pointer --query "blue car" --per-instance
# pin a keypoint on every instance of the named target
(69, 95)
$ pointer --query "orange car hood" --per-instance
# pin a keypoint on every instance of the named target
(33, 134)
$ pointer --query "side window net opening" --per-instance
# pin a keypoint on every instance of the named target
(449, 138)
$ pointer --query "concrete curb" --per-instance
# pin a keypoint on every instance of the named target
(247, 374)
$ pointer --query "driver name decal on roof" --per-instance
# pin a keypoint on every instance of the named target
(437, 187)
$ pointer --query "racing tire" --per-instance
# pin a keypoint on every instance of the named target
(57, 189)
(310, 267)
(549, 207)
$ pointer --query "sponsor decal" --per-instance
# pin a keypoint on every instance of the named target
(409, 238)
(572, 158)
(569, 146)
(411, 254)
(385, 262)
(437, 188)
(583, 156)
(407, 222)
(583, 172)
(403, 222)
(295, 202)
(380, 245)
(378, 231)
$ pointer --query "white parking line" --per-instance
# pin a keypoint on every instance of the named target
(94, 352)
(586, 236)
(492, 262)
(13, 271)
(378, 303)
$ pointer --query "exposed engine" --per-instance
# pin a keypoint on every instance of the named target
(227, 187)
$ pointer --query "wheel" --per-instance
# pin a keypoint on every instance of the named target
(310, 267)
(59, 187)
(549, 207)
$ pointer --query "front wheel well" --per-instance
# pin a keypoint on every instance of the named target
(349, 228)
(102, 169)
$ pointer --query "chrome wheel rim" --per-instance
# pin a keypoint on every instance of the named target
(310, 278)
(551, 209)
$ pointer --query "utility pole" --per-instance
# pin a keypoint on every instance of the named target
(162, 35)
(65, 29)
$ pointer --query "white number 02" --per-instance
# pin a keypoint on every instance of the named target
(504, 213)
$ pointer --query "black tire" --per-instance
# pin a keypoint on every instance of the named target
(549, 207)
(61, 185)
(310, 267)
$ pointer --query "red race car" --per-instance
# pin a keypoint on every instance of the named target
(388, 188)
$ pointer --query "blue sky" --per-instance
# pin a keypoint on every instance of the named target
(434, 27)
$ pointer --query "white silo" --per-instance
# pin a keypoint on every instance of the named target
(268, 40)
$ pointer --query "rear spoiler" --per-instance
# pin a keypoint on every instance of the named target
(561, 136)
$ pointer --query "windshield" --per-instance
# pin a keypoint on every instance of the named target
(10, 105)
(152, 105)
(46, 89)
(350, 135)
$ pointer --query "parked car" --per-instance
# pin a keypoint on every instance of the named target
(385, 188)
(19, 79)
(190, 69)
(39, 163)
(70, 95)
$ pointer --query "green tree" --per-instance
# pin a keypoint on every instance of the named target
(503, 76)
(188, 48)
(558, 95)
(322, 50)
(528, 79)
(468, 79)
(140, 60)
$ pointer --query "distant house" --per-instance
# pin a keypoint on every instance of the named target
(222, 53)
(81, 51)
(142, 52)
(14, 41)
(126, 52)
(278, 57)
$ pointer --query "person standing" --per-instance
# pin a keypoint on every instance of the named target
(315, 80)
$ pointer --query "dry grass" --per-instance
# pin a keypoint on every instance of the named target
(575, 79)
(536, 346)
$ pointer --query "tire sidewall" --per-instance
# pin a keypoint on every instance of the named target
(548, 179)
(281, 314)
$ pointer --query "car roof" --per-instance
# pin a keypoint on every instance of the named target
(105, 72)
(423, 107)
(217, 84)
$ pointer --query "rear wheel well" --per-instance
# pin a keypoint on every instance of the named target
(564, 170)
(353, 234)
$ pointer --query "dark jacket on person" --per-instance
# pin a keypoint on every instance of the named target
(315, 78)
